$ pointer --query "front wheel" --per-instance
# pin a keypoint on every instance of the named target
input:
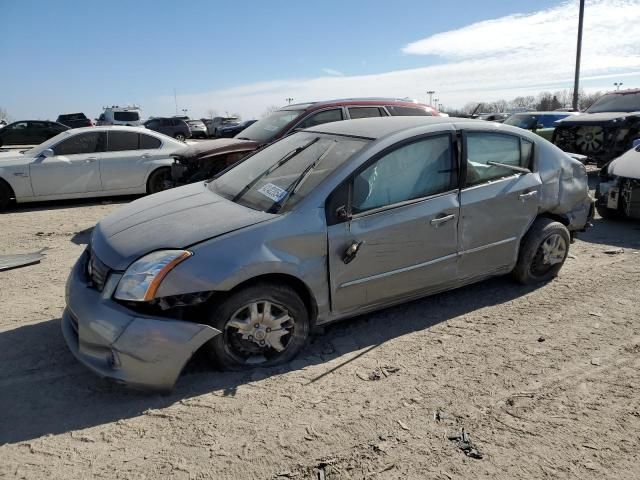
(159, 180)
(543, 251)
(262, 325)
(180, 137)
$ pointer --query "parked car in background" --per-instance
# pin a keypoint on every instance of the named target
(542, 123)
(30, 132)
(336, 221)
(228, 131)
(198, 129)
(88, 162)
(171, 126)
(606, 130)
(219, 122)
(74, 120)
(618, 192)
(206, 159)
(493, 117)
(115, 115)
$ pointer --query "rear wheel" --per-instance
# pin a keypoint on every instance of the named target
(159, 180)
(543, 251)
(5, 195)
(262, 325)
(180, 137)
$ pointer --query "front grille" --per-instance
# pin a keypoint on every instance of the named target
(97, 272)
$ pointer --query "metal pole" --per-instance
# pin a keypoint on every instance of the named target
(576, 83)
(289, 100)
(430, 93)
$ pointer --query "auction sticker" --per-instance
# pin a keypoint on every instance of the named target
(273, 192)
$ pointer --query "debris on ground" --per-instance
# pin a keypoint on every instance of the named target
(595, 361)
(595, 314)
(7, 262)
(403, 425)
(541, 339)
(614, 251)
(378, 373)
(464, 443)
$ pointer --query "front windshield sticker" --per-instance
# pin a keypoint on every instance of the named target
(273, 192)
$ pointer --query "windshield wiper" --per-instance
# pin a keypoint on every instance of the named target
(297, 183)
(273, 167)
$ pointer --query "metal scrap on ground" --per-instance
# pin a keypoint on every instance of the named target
(7, 262)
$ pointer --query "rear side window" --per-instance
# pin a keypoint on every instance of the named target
(364, 112)
(91, 142)
(120, 141)
(322, 117)
(483, 148)
(147, 142)
(401, 111)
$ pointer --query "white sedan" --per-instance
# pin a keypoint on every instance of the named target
(88, 162)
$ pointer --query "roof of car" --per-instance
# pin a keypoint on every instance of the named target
(379, 127)
(552, 112)
(122, 128)
(354, 101)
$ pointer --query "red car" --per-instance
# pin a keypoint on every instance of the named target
(205, 159)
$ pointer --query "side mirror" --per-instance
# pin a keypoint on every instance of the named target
(46, 153)
(341, 213)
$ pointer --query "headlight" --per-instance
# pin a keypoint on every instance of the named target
(143, 277)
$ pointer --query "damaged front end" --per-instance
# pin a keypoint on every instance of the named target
(618, 191)
(205, 160)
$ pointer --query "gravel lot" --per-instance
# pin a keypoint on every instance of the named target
(545, 381)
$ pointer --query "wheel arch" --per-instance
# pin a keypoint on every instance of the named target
(152, 170)
(12, 193)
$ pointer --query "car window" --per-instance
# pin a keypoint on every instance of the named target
(364, 112)
(19, 126)
(319, 118)
(126, 116)
(490, 147)
(152, 124)
(90, 142)
(42, 125)
(120, 141)
(147, 142)
(416, 170)
(399, 110)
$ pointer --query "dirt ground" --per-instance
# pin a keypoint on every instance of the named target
(545, 381)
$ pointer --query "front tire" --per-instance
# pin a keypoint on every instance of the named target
(180, 137)
(159, 180)
(543, 251)
(5, 195)
(262, 325)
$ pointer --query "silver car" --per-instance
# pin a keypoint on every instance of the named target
(330, 222)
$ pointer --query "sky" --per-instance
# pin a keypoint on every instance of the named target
(242, 57)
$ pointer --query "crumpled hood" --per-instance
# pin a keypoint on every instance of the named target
(214, 147)
(627, 165)
(590, 118)
(174, 218)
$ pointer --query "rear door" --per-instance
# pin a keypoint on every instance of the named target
(126, 162)
(73, 169)
(404, 210)
(497, 204)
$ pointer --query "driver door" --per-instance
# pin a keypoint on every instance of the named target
(73, 169)
(403, 216)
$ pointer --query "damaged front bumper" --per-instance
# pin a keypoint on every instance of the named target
(123, 345)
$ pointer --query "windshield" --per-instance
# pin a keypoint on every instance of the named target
(286, 172)
(616, 102)
(523, 121)
(267, 128)
(47, 144)
(126, 116)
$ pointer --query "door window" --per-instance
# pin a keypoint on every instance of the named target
(19, 126)
(490, 147)
(147, 142)
(399, 110)
(121, 141)
(322, 117)
(91, 142)
(416, 170)
(364, 112)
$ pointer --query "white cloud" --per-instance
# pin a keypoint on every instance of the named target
(499, 58)
(331, 71)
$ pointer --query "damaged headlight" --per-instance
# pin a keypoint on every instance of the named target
(143, 277)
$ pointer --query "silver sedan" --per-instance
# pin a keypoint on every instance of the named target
(328, 223)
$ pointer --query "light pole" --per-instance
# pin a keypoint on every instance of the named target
(430, 93)
(184, 111)
(435, 101)
(289, 100)
(576, 83)
(617, 85)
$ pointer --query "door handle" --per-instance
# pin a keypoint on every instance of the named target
(440, 220)
(351, 252)
(525, 196)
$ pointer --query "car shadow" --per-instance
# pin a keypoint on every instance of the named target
(44, 390)
(613, 233)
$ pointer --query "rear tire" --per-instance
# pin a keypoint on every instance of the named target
(238, 347)
(543, 251)
(159, 180)
(5, 195)
(180, 137)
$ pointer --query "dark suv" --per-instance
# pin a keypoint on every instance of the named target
(74, 120)
(173, 127)
(206, 159)
(605, 130)
(30, 132)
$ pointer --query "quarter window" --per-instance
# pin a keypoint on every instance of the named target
(322, 117)
(91, 142)
(121, 141)
(147, 142)
(398, 110)
(416, 170)
(364, 112)
(483, 148)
